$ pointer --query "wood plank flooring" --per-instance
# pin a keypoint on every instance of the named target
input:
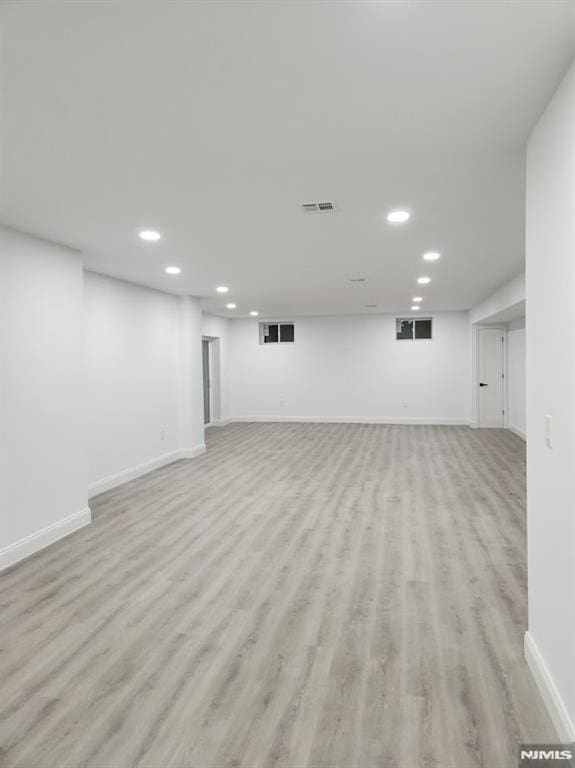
(302, 596)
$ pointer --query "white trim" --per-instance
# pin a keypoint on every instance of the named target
(219, 422)
(13, 553)
(192, 453)
(211, 393)
(553, 701)
(357, 420)
(131, 473)
(516, 431)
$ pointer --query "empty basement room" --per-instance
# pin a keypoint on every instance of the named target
(287, 384)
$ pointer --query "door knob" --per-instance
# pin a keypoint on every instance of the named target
(482, 384)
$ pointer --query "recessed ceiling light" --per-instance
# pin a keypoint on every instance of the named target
(414, 308)
(398, 217)
(222, 289)
(423, 280)
(230, 306)
(417, 298)
(150, 235)
(173, 270)
(431, 256)
(254, 314)
(370, 306)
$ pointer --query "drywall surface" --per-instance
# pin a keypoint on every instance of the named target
(131, 353)
(516, 416)
(43, 464)
(507, 295)
(550, 362)
(144, 390)
(353, 368)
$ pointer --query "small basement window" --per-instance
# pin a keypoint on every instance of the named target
(277, 333)
(413, 328)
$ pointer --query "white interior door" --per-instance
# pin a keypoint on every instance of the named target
(490, 383)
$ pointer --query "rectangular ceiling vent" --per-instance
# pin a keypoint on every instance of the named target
(327, 205)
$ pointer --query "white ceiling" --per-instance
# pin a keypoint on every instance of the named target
(213, 122)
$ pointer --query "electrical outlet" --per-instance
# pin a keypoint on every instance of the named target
(281, 403)
(548, 431)
(163, 434)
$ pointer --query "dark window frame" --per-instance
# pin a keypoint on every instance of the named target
(279, 324)
(414, 321)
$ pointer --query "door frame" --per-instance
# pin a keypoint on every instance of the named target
(215, 380)
(208, 359)
(475, 377)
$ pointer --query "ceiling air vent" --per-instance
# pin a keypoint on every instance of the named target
(327, 205)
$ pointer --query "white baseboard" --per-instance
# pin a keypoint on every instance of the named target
(131, 473)
(192, 453)
(553, 701)
(35, 542)
(517, 431)
(356, 420)
(219, 422)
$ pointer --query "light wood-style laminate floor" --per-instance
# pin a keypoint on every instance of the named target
(303, 596)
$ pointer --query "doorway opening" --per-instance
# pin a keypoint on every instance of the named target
(211, 380)
(206, 378)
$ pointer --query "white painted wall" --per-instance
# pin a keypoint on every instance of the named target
(516, 415)
(550, 267)
(352, 368)
(218, 329)
(142, 351)
(43, 464)
(507, 295)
